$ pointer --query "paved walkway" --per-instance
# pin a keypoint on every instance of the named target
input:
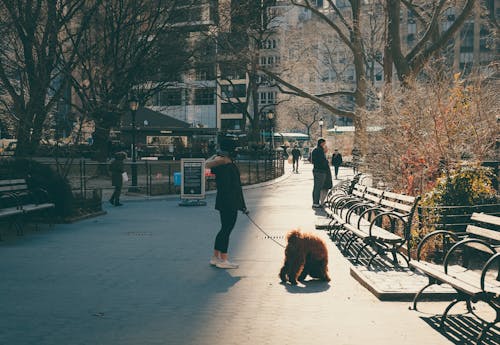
(140, 276)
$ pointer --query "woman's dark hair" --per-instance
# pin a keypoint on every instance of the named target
(228, 146)
(321, 141)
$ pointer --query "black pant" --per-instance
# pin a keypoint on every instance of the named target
(115, 197)
(336, 167)
(228, 220)
(295, 162)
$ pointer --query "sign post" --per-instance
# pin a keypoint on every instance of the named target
(192, 182)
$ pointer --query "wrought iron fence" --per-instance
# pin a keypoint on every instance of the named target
(157, 177)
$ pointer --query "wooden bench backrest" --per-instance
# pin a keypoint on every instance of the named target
(359, 190)
(398, 202)
(13, 185)
(486, 228)
(373, 194)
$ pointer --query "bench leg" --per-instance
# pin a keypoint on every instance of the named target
(460, 298)
(489, 324)
(358, 254)
(349, 244)
(432, 281)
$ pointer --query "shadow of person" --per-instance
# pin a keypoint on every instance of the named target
(307, 286)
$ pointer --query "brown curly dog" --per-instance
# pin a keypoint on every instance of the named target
(305, 254)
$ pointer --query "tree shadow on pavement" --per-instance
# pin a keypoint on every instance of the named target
(463, 330)
(308, 286)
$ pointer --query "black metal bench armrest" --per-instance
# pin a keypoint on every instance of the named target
(487, 266)
(427, 237)
(354, 207)
(15, 197)
(382, 214)
(344, 202)
(461, 243)
(371, 209)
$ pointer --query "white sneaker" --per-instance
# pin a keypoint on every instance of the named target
(226, 264)
(215, 260)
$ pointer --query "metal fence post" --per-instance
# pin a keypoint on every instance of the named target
(169, 178)
(81, 176)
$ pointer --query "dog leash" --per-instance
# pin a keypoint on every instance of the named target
(265, 233)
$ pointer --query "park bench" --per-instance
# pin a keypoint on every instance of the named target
(18, 202)
(379, 219)
(471, 284)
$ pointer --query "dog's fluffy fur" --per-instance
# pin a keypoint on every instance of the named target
(305, 254)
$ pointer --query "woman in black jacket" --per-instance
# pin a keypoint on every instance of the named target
(228, 201)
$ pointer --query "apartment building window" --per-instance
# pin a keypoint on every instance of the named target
(205, 73)
(231, 91)
(267, 98)
(269, 44)
(232, 72)
(170, 97)
(467, 38)
(204, 96)
(233, 108)
(412, 32)
(232, 124)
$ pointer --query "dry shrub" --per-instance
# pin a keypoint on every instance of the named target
(429, 126)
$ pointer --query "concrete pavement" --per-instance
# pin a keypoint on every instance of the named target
(140, 276)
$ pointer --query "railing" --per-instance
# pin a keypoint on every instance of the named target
(452, 217)
(157, 177)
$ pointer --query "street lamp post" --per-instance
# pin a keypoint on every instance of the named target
(134, 105)
(270, 117)
(321, 127)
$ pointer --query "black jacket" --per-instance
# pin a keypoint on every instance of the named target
(116, 168)
(336, 159)
(229, 192)
(296, 153)
(319, 160)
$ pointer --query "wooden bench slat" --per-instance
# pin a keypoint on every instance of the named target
(485, 218)
(482, 232)
(396, 206)
(401, 197)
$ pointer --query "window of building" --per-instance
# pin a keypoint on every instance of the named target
(230, 91)
(232, 124)
(204, 96)
(233, 108)
(205, 73)
(467, 38)
(169, 97)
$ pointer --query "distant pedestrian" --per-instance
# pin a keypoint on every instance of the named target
(320, 171)
(228, 201)
(117, 169)
(336, 162)
(296, 154)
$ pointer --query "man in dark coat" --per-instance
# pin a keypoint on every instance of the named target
(336, 162)
(116, 168)
(295, 159)
(320, 171)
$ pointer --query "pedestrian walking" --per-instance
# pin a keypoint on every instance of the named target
(117, 175)
(228, 202)
(296, 154)
(320, 171)
(336, 162)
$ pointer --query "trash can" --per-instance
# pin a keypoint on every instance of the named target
(177, 179)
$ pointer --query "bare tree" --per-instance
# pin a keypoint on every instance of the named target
(298, 114)
(131, 47)
(40, 38)
(431, 38)
(247, 28)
